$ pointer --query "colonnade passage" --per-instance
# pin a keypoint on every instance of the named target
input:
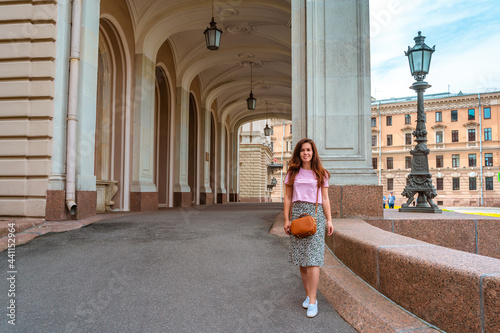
(145, 115)
(168, 109)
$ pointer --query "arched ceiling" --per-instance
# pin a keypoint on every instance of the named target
(256, 31)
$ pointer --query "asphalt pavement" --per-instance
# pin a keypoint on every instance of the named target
(201, 269)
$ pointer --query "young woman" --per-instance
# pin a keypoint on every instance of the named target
(305, 181)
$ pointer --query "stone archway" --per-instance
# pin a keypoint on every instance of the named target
(111, 132)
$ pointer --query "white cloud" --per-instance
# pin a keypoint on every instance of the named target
(466, 35)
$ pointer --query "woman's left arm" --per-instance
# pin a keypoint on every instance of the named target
(326, 210)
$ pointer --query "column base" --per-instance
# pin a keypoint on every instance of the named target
(206, 198)
(356, 201)
(221, 198)
(182, 199)
(143, 201)
(55, 209)
(254, 199)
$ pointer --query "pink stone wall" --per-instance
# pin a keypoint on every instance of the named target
(453, 290)
(479, 236)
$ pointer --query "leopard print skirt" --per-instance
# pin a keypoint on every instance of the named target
(308, 251)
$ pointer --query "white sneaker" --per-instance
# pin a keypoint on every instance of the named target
(312, 310)
(305, 304)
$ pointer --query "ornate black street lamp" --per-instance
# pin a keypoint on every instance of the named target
(212, 34)
(419, 181)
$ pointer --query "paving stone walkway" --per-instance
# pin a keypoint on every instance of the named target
(202, 269)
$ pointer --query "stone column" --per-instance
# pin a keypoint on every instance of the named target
(206, 194)
(233, 167)
(144, 195)
(56, 207)
(334, 52)
(221, 166)
(182, 191)
(86, 195)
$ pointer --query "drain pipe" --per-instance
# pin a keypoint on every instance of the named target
(481, 146)
(379, 145)
(76, 17)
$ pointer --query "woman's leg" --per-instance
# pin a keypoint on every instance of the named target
(305, 281)
(313, 281)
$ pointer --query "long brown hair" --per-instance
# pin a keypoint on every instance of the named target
(295, 163)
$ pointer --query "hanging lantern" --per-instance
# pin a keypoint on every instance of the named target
(267, 129)
(213, 34)
(251, 101)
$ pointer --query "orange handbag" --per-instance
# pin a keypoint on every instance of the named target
(305, 224)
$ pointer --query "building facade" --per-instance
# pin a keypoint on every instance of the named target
(119, 105)
(255, 156)
(282, 144)
(464, 142)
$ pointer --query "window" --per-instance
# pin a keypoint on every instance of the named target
(439, 184)
(487, 113)
(489, 183)
(488, 159)
(390, 184)
(374, 122)
(472, 134)
(374, 140)
(472, 184)
(472, 160)
(439, 161)
(487, 134)
(456, 184)
(290, 128)
(389, 163)
(455, 160)
(454, 136)
(272, 146)
(389, 139)
(472, 114)
(388, 121)
(407, 162)
(374, 162)
(454, 115)
(272, 130)
(407, 138)
(439, 137)
(407, 119)
(439, 116)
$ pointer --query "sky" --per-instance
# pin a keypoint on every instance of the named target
(467, 39)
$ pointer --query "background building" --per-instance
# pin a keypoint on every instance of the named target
(463, 136)
(281, 142)
(255, 154)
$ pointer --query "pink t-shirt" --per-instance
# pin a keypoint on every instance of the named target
(305, 186)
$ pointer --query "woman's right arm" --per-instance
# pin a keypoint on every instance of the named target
(287, 207)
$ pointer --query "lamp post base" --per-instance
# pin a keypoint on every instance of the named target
(420, 210)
